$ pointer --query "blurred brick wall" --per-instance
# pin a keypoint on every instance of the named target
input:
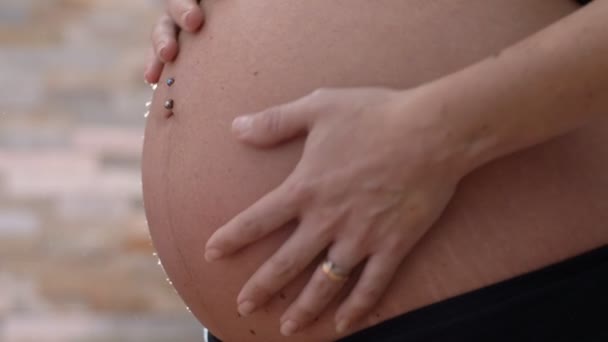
(76, 262)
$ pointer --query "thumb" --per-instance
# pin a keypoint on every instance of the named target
(271, 126)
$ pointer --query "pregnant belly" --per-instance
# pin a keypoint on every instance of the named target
(512, 216)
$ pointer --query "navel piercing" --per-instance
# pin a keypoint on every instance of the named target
(169, 103)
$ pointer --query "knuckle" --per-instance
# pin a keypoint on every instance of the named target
(165, 21)
(319, 92)
(359, 305)
(361, 245)
(158, 37)
(176, 9)
(251, 227)
(161, 24)
(366, 296)
(158, 43)
(418, 208)
(272, 121)
(356, 310)
(283, 267)
(363, 237)
(183, 12)
(323, 287)
(321, 100)
(300, 190)
(396, 245)
(329, 215)
(324, 225)
(304, 312)
(261, 291)
(225, 242)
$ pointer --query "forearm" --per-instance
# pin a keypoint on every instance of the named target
(544, 86)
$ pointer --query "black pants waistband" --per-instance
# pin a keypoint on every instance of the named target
(563, 302)
(567, 301)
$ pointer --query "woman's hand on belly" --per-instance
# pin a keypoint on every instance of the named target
(377, 170)
(180, 14)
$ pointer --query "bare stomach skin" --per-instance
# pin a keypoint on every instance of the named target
(512, 216)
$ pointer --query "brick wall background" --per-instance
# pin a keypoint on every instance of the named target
(76, 262)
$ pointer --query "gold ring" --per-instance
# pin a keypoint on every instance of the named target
(334, 272)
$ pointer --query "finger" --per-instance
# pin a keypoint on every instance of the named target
(164, 38)
(321, 289)
(289, 261)
(369, 289)
(276, 124)
(186, 14)
(264, 216)
(154, 68)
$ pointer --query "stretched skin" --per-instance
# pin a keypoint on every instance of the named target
(509, 217)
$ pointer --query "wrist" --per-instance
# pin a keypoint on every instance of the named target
(472, 110)
(423, 113)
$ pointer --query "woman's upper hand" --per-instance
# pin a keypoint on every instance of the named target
(378, 168)
(180, 14)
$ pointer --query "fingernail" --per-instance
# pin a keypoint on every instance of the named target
(246, 308)
(288, 328)
(213, 254)
(342, 326)
(242, 124)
